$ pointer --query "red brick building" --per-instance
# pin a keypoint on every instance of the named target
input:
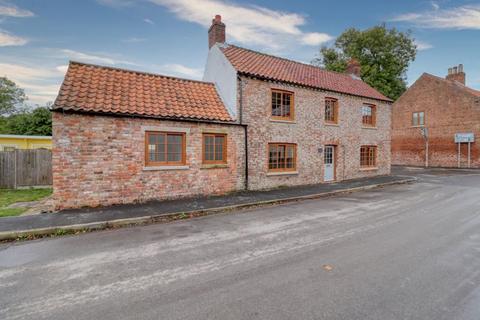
(257, 121)
(445, 107)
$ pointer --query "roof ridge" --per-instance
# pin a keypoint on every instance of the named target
(291, 60)
(137, 72)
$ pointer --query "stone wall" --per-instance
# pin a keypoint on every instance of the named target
(100, 160)
(310, 132)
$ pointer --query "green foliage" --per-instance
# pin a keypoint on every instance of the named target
(384, 55)
(28, 122)
(10, 96)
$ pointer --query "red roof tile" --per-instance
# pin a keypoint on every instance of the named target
(270, 67)
(110, 90)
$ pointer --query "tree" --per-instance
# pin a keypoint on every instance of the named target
(384, 55)
(34, 122)
(10, 96)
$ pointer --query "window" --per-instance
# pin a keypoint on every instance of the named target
(164, 148)
(368, 156)
(418, 118)
(282, 105)
(331, 110)
(368, 115)
(282, 156)
(214, 148)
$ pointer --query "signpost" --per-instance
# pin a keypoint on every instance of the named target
(424, 132)
(464, 138)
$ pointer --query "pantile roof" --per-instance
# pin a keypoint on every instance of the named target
(93, 88)
(266, 66)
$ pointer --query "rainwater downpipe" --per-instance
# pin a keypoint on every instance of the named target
(240, 116)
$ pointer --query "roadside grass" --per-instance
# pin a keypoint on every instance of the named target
(9, 196)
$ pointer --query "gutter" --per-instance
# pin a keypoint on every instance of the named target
(240, 116)
(131, 115)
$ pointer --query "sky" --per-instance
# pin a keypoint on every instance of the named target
(39, 37)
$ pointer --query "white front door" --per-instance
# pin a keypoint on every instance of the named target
(329, 163)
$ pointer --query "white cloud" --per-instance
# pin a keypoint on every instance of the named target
(463, 17)
(94, 58)
(12, 11)
(41, 84)
(146, 20)
(180, 70)
(8, 39)
(421, 45)
(315, 38)
(247, 24)
(62, 68)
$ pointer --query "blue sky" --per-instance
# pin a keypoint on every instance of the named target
(37, 38)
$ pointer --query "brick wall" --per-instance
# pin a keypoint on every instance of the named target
(99, 160)
(449, 109)
(310, 133)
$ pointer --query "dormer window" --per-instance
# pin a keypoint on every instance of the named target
(282, 105)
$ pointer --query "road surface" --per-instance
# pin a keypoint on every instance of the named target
(401, 252)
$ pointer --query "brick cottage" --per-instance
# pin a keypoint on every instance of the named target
(256, 121)
(445, 107)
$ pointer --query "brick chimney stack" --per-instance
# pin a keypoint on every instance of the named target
(216, 33)
(353, 68)
(456, 74)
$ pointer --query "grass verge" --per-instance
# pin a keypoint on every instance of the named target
(9, 196)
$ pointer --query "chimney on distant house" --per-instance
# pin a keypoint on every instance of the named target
(456, 74)
(354, 68)
(216, 33)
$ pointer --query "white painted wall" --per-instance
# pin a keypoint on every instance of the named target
(221, 72)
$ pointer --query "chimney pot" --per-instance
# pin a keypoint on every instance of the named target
(354, 68)
(457, 74)
(216, 33)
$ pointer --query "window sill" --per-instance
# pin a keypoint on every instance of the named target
(420, 126)
(160, 168)
(369, 169)
(370, 127)
(281, 173)
(214, 166)
(332, 124)
(283, 121)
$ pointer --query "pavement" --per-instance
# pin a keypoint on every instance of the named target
(409, 251)
(113, 216)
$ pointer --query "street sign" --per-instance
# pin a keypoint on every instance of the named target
(464, 137)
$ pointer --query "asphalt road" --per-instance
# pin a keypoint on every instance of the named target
(402, 252)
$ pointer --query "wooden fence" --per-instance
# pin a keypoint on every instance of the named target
(25, 168)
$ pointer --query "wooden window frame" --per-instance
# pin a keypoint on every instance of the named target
(292, 105)
(418, 124)
(224, 153)
(149, 163)
(285, 169)
(373, 117)
(335, 110)
(372, 163)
